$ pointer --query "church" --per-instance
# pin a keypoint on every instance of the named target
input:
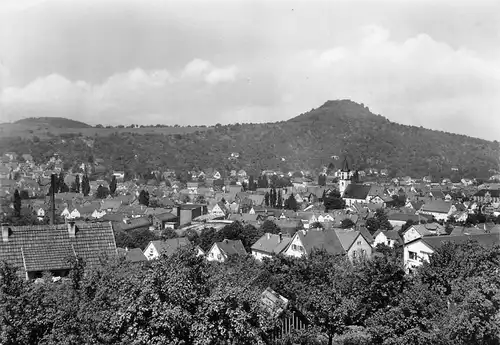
(349, 187)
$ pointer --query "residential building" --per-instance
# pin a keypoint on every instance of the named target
(439, 209)
(389, 238)
(221, 251)
(36, 249)
(421, 230)
(269, 245)
(156, 248)
(421, 249)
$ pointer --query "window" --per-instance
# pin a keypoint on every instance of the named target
(294, 247)
(354, 254)
(219, 257)
(301, 249)
(359, 243)
(412, 255)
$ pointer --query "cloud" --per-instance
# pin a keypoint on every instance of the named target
(137, 96)
(416, 80)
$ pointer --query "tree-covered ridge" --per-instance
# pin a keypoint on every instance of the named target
(183, 299)
(302, 143)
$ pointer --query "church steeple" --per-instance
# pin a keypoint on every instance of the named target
(345, 165)
(345, 176)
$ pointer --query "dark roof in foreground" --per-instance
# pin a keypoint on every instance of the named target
(132, 255)
(39, 248)
(486, 240)
(171, 245)
(326, 240)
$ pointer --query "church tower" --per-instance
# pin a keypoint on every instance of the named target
(345, 177)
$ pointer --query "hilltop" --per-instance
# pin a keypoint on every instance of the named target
(58, 122)
(305, 142)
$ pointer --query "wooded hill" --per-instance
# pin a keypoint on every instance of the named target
(305, 142)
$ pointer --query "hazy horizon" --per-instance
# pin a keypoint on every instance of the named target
(422, 63)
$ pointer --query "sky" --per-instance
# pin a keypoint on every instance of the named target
(434, 64)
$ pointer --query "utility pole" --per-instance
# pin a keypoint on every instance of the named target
(53, 199)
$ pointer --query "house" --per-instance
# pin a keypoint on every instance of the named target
(276, 304)
(35, 249)
(305, 242)
(192, 187)
(132, 255)
(399, 218)
(40, 213)
(199, 251)
(156, 248)
(119, 175)
(389, 238)
(354, 243)
(221, 251)
(421, 249)
(356, 193)
(487, 196)
(439, 209)
(421, 230)
(269, 245)
(220, 210)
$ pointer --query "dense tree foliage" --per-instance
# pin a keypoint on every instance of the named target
(183, 299)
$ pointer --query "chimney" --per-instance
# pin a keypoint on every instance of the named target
(268, 236)
(281, 237)
(6, 232)
(71, 229)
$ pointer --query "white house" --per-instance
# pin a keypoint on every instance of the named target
(65, 213)
(439, 209)
(389, 238)
(421, 249)
(220, 251)
(98, 214)
(40, 213)
(220, 210)
(269, 245)
(420, 230)
(155, 248)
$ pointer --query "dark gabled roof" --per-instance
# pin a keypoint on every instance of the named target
(165, 217)
(231, 247)
(403, 217)
(47, 247)
(135, 223)
(326, 240)
(271, 243)
(132, 255)
(356, 191)
(436, 206)
(345, 165)
(170, 246)
(486, 240)
(494, 193)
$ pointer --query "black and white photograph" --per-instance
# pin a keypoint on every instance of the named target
(250, 172)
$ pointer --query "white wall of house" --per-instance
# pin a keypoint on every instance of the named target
(360, 248)
(258, 255)
(295, 248)
(410, 235)
(397, 222)
(151, 252)
(218, 211)
(215, 254)
(381, 238)
(415, 253)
